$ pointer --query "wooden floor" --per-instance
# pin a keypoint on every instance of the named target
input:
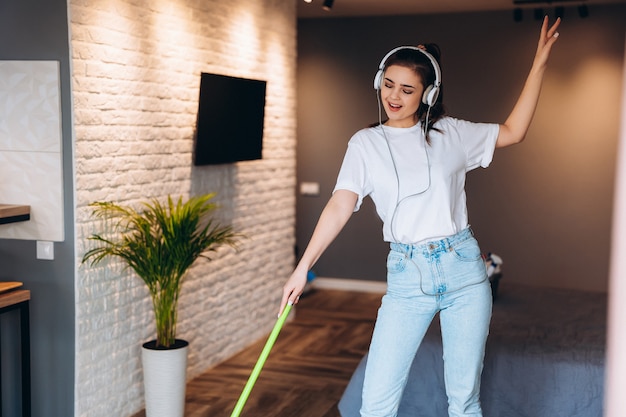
(308, 368)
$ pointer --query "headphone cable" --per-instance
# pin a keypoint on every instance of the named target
(399, 200)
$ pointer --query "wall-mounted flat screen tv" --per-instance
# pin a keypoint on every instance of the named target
(229, 127)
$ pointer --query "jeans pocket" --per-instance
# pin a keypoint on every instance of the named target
(467, 251)
(396, 262)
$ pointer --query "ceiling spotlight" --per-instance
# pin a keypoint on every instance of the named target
(583, 11)
(538, 12)
(308, 1)
(517, 14)
(559, 11)
(328, 4)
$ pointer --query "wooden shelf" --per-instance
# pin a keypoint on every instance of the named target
(9, 285)
(11, 213)
(11, 298)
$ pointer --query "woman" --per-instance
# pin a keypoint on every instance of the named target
(413, 167)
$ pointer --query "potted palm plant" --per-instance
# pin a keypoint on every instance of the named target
(160, 242)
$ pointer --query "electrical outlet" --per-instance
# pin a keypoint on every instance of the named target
(310, 188)
(45, 250)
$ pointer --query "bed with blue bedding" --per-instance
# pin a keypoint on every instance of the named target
(545, 357)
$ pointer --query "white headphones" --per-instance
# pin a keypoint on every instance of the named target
(431, 92)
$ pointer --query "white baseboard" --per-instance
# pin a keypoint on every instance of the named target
(349, 285)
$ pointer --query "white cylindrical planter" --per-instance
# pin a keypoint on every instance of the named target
(165, 379)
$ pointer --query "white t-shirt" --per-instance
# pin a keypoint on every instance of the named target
(431, 203)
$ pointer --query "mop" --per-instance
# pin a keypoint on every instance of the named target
(260, 362)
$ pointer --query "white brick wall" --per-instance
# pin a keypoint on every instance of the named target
(136, 71)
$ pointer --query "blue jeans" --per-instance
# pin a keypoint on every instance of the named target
(448, 277)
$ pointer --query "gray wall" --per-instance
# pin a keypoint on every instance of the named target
(545, 205)
(37, 30)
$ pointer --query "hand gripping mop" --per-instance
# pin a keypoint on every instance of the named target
(261, 361)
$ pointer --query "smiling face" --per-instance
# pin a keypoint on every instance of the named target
(401, 95)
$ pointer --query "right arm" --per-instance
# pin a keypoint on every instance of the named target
(516, 125)
(333, 218)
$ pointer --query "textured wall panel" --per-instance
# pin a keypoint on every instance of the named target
(30, 148)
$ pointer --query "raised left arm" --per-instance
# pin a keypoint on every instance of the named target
(514, 129)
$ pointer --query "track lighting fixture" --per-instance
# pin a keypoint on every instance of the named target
(559, 11)
(327, 5)
(539, 13)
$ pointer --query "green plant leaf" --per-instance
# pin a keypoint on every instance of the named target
(160, 243)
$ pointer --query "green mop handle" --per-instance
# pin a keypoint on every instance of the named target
(260, 362)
